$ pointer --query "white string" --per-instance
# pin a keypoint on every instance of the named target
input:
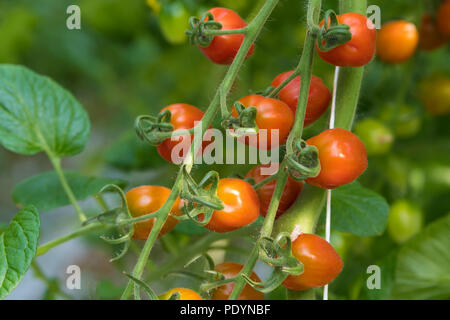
(328, 216)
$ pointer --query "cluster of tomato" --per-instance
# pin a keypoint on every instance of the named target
(341, 153)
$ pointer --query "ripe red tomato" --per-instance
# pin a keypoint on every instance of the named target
(272, 114)
(397, 41)
(321, 263)
(229, 270)
(429, 36)
(360, 49)
(342, 158)
(185, 294)
(241, 206)
(443, 20)
(318, 99)
(184, 116)
(147, 199)
(291, 191)
(224, 48)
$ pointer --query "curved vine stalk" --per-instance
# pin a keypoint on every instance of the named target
(305, 70)
(252, 32)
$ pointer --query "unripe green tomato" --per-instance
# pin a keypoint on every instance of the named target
(174, 21)
(405, 220)
(435, 94)
(404, 119)
(375, 135)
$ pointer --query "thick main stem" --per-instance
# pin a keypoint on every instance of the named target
(252, 32)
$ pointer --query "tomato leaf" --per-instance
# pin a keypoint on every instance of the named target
(358, 210)
(17, 248)
(45, 191)
(423, 265)
(36, 114)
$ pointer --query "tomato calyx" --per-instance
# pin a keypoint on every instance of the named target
(303, 162)
(200, 198)
(332, 34)
(276, 252)
(114, 217)
(244, 123)
(154, 130)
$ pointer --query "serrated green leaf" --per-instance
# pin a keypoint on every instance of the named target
(17, 248)
(36, 114)
(358, 210)
(45, 191)
(423, 264)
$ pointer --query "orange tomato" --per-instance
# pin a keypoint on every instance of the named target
(271, 114)
(318, 98)
(147, 199)
(229, 270)
(397, 41)
(224, 48)
(183, 116)
(342, 157)
(361, 47)
(185, 294)
(241, 206)
(291, 191)
(321, 263)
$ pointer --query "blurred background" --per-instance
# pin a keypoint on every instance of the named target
(132, 57)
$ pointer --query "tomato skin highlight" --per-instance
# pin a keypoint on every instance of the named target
(229, 270)
(443, 20)
(272, 114)
(342, 155)
(321, 263)
(185, 294)
(184, 116)
(147, 199)
(318, 98)
(430, 37)
(360, 49)
(224, 48)
(291, 191)
(397, 41)
(241, 206)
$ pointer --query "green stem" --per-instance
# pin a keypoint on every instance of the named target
(82, 231)
(222, 32)
(265, 181)
(305, 67)
(56, 162)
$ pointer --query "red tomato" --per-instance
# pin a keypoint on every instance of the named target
(185, 294)
(360, 49)
(290, 192)
(318, 99)
(321, 263)
(147, 199)
(429, 36)
(342, 158)
(443, 18)
(397, 41)
(224, 48)
(229, 270)
(184, 116)
(272, 114)
(241, 206)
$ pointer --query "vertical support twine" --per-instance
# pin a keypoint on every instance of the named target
(328, 213)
